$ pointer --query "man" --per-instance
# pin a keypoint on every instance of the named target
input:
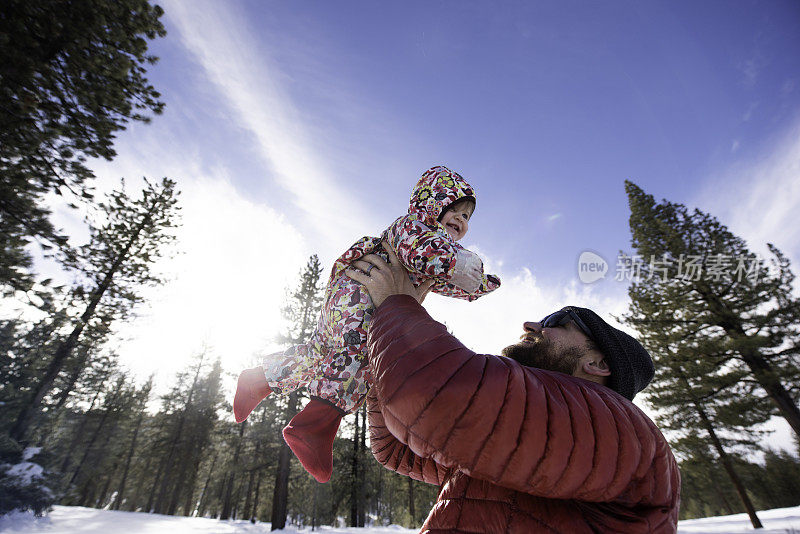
(544, 439)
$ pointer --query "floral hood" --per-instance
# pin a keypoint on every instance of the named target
(438, 188)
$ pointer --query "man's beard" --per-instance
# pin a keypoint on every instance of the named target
(542, 354)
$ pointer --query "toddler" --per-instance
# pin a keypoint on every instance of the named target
(332, 364)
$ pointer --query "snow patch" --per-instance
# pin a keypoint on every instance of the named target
(25, 472)
(78, 520)
(30, 452)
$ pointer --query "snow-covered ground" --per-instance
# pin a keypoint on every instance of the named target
(777, 521)
(77, 520)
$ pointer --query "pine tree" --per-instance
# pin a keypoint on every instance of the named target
(99, 448)
(187, 419)
(780, 480)
(72, 74)
(698, 401)
(700, 284)
(228, 502)
(706, 490)
(116, 263)
(722, 340)
(303, 305)
(355, 468)
(143, 397)
(301, 311)
(26, 347)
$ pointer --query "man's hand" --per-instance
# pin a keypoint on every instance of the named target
(385, 279)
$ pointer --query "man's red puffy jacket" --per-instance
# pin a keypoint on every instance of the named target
(515, 449)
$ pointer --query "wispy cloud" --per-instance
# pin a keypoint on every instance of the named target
(253, 87)
(225, 284)
(750, 68)
(759, 199)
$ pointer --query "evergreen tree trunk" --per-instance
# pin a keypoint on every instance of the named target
(137, 493)
(103, 447)
(254, 511)
(766, 376)
(301, 311)
(717, 484)
(128, 460)
(248, 500)
(354, 474)
(280, 496)
(762, 371)
(411, 509)
(201, 508)
(151, 499)
(178, 488)
(102, 497)
(379, 505)
(362, 472)
(169, 461)
(220, 495)
(86, 493)
(726, 462)
(78, 435)
(314, 510)
(237, 499)
(389, 499)
(91, 443)
(725, 504)
(724, 458)
(227, 505)
(189, 490)
(250, 484)
(63, 395)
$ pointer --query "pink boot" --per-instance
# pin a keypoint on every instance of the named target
(251, 389)
(310, 436)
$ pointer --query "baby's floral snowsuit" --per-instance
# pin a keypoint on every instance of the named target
(333, 363)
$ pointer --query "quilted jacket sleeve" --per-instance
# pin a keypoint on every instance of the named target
(397, 456)
(430, 254)
(534, 431)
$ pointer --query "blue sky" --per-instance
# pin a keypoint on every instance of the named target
(547, 107)
(294, 128)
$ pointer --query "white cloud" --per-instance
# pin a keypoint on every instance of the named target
(226, 285)
(759, 199)
(750, 68)
(494, 321)
(253, 86)
(749, 113)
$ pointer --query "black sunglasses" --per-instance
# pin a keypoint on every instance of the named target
(562, 317)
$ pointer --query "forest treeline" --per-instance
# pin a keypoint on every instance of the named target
(722, 323)
(115, 445)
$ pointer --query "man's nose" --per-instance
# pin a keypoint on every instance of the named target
(532, 327)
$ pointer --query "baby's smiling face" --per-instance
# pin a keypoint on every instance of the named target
(456, 219)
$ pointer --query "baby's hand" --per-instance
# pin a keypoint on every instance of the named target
(468, 271)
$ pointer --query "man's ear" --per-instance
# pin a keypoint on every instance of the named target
(596, 367)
